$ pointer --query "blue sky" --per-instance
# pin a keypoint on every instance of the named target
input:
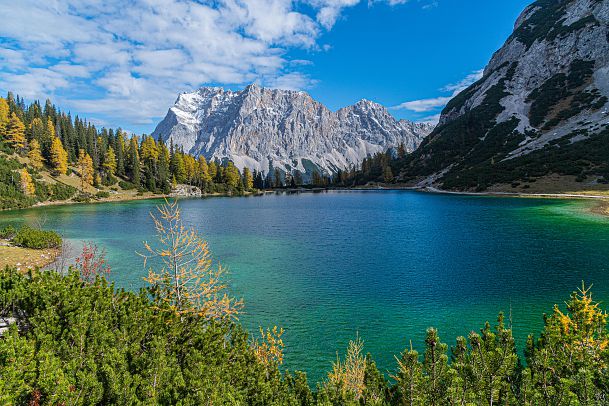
(123, 63)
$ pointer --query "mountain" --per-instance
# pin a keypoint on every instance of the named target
(263, 129)
(539, 111)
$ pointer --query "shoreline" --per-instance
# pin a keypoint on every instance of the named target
(601, 208)
(127, 198)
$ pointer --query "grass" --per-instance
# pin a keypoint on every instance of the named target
(25, 258)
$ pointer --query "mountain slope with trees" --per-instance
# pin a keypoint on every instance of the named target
(46, 155)
(539, 111)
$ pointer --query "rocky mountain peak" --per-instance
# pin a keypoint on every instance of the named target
(263, 129)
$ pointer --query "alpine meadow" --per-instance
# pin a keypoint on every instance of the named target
(304, 202)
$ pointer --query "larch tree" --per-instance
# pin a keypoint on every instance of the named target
(15, 132)
(59, 157)
(85, 167)
(110, 162)
(348, 376)
(4, 116)
(203, 169)
(35, 156)
(231, 175)
(248, 179)
(186, 283)
(27, 186)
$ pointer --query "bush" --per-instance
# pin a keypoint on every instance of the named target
(29, 237)
(102, 194)
(126, 185)
(82, 198)
(8, 232)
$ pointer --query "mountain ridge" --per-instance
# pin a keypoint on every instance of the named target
(540, 108)
(263, 129)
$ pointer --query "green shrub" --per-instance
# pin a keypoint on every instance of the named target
(29, 237)
(8, 232)
(102, 194)
(126, 185)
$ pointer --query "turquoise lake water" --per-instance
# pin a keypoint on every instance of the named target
(384, 265)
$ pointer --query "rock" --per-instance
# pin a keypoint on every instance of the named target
(186, 191)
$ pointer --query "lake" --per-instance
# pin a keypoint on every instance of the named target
(382, 264)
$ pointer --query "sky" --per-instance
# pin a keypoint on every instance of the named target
(122, 63)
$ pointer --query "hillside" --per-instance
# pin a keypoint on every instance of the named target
(538, 114)
(46, 156)
(266, 129)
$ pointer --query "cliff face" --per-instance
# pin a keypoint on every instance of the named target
(540, 107)
(263, 129)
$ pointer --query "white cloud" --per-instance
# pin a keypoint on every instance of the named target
(434, 119)
(424, 104)
(464, 83)
(130, 59)
(431, 104)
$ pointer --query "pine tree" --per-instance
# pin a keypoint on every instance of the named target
(387, 174)
(36, 160)
(401, 150)
(59, 157)
(36, 129)
(15, 132)
(177, 167)
(85, 167)
(277, 182)
(27, 186)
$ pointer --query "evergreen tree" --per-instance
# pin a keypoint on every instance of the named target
(134, 163)
(177, 167)
(401, 151)
(387, 174)
(277, 182)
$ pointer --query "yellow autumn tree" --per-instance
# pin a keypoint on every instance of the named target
(27, 186)
(579, 334)
(85, 167)
(35, 156)
(186, 281)
(110, 162)
(50, 128)
(59, 157)
(4, 116)
(347, 376)
(248, 179)
(189, 167)
(203, 169)
(15, 132)
(269, 347)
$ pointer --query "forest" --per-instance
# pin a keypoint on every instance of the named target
(74, 338)
(36, 139)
